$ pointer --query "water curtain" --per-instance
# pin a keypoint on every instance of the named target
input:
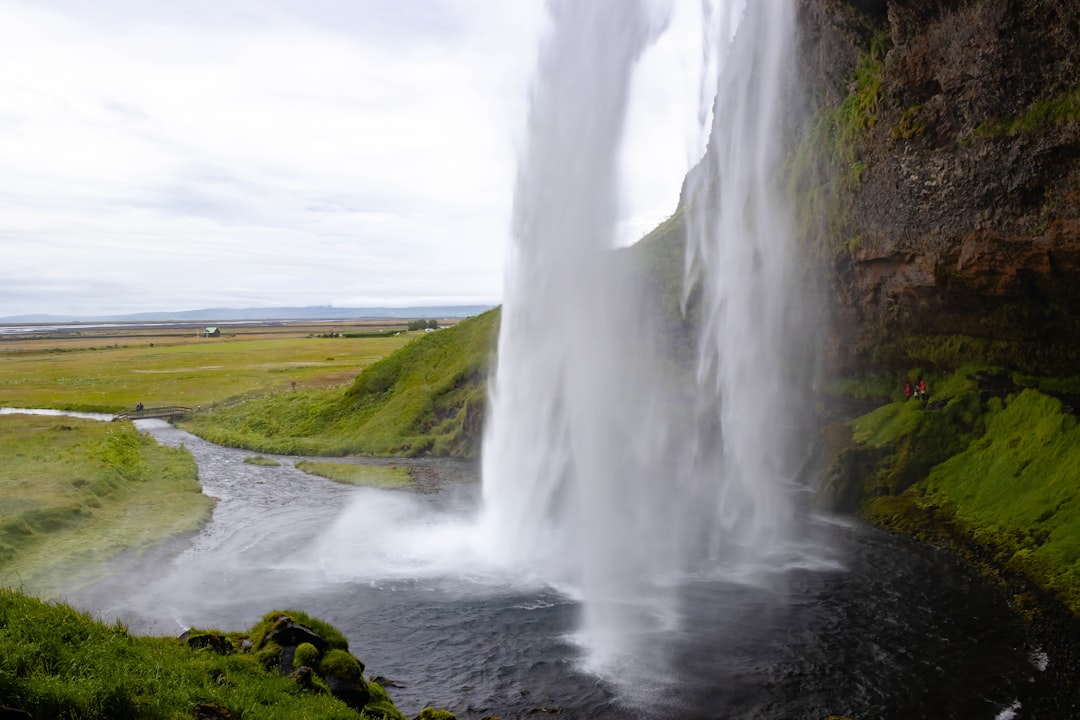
(613, 465)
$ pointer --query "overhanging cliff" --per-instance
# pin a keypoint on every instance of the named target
(937, 179)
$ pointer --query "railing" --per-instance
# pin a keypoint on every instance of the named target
(168, 411)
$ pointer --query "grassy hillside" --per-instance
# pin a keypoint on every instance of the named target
(985, 465)
(77, 492)
(428, 398)
(59, 663)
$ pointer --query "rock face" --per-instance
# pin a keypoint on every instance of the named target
(960, 214)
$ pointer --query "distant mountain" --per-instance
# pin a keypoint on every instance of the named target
(320, 312)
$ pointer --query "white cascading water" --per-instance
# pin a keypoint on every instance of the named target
(608, 468)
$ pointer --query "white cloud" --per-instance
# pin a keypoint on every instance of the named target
(165, 156)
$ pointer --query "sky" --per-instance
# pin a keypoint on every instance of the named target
(257, 153)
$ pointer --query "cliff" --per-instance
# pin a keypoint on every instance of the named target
(937, 168)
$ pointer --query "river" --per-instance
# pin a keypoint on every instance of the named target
(885, 629)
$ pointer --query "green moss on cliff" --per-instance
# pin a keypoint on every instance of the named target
(858, 112)
(826, 163)
(945, 354)
(1016, 490)
(996, 474)
(1046, 113)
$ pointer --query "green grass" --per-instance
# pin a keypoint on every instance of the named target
(261, 461)
(59, 663)
(76, 493)
(428, 398)
(380, 476)
(888, 423)
(1004, 474)
(1017, 489)
(197, 372)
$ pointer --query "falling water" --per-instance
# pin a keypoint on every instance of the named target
(611, 467)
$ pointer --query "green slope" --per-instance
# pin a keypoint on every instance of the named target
(427, 398)
(994, 476)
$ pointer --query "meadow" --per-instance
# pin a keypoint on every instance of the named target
(76, 493)
(108, 370)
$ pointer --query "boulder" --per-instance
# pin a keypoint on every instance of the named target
(288, 633)
(343, 674)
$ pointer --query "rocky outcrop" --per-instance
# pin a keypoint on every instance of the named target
(959, 214)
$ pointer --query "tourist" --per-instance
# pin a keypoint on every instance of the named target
(907, 391)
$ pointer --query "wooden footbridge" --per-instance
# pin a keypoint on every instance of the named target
(167, 412)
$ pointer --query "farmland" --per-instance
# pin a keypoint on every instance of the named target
(108, 369)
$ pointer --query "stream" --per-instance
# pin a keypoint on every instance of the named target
(885, 629)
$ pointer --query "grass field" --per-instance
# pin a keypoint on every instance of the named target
(108, 371)
(76, 493)
(380, 476)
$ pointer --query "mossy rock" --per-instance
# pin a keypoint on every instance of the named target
(430, 713)
(208, 639)
(380, 705)
(341, 664)
(344, 675)
(269, 657)
(293, 627)
(306, 655)
(308, 681)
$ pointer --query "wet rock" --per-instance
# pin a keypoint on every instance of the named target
(387, 682)
(285, 664)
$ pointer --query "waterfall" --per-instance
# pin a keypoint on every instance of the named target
(612, 467)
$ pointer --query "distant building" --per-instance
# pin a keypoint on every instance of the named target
(212, 332)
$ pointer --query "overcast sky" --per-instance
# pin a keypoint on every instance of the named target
(243, 153)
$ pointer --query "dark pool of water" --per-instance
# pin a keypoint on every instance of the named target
(899, 631)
